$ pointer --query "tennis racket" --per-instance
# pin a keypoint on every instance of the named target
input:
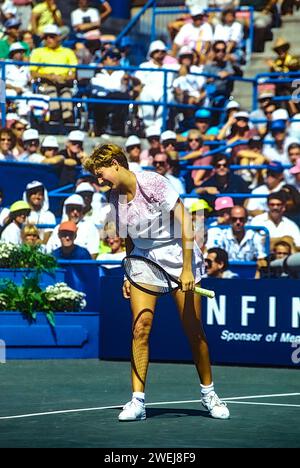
(151, 278)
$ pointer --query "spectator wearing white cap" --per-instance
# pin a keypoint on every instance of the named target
(87, 233)
(175, 26)
(153, 83)
(55, 81)
(74, 154)
(31, 142)
(133, 149)
(153, 138)
(188, 87)
(36, 195)
(50, 150)
(168, 141)
(198, 35)
(96, 207)
(18, 77)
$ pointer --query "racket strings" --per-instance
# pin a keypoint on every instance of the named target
(147, 275)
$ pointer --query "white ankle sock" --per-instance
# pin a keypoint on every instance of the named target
(140, 396)
(206, 389)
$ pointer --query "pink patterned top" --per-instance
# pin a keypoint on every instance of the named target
(148, 218)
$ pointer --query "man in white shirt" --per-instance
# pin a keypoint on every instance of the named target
(278, 150)
(197, 35)
(162, 165)
(85, 19)
(241, 244)
(87, 233)
(274, 182)
(277, 224)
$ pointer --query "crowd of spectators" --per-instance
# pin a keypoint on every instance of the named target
(211, 132)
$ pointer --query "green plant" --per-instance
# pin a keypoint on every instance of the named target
(29, 298)
(26, 256)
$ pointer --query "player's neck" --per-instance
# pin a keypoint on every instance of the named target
(127, 184)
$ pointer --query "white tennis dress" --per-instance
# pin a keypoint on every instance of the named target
(149, 221)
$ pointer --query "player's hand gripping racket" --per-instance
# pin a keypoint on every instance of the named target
(151, 278)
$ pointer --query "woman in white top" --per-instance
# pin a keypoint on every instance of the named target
(230, 31)
(11, 231)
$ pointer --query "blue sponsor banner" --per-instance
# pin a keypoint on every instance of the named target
(253, 322)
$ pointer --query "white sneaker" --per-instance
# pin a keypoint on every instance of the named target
(133, 411)
(217, 408)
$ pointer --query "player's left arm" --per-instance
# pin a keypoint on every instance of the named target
(187, 233)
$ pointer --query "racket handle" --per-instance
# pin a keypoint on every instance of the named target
(205, 292)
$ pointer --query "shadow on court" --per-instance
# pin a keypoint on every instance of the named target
(76, 404)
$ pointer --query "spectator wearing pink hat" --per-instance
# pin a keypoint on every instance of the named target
(295, 171)
(223, 207)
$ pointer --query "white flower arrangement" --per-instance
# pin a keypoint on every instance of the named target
(64, 298)
(6, 251)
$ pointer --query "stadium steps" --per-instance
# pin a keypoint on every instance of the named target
(289, 30)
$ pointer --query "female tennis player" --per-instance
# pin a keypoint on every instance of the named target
(151, 217)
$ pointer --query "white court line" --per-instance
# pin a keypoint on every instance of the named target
(262, 404)
(84, 410)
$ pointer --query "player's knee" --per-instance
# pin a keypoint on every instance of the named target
(142, 329)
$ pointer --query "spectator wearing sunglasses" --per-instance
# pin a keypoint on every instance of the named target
(222, 181)
(18, 127)
(217, 264)
(50, 150)
(162, 164)
(241, 244)
(153, 138)
(73, 156)
(195, 151)
(67, 233)
(31, 142)
(133, 149)
(7, 143)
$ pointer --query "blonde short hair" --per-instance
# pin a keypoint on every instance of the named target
(29, 230)
(103, 156)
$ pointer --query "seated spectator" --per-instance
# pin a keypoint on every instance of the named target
(241, 244)
(295, 172)
(46, 14)
(230, 31)
(162, 164)
(153, 83)
(50, 151)
(96, 208)
(18, 127)
(4, 212)
(74, 154)
(36, 195)
(274, 220)
(7, 143)
(264, 100)
(133, 149)
(293, 155)
(116, 246)
(12, 228)
(153, 138)
(87, 233)
(30, 235)
(18, 77)
(252, 156)
(274, 181)
(223, 206)
(200, 211)
(217, 264)
(189, 88)
(239, 130)
(85, 19)
(278, 150)
(292, 203)
(195, 152)
(281, 250)
(221, 86)
(27, 38)
(55, 81)
(12, 27)
(7, 10)
(222, 181)
(203, 124)
(31, 142)
(197, 35)
(67, 233)
(168, 140)
(112, 85)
